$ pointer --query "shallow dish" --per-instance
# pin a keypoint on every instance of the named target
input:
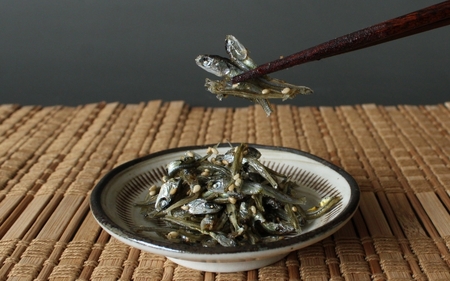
(113, 205)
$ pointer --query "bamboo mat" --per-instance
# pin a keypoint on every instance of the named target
(51, 157)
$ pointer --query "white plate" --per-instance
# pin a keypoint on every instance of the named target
(113, 206)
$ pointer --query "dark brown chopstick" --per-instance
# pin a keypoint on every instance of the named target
(419, 21)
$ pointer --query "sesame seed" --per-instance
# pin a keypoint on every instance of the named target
(196, 188)
(285, 91)
(172, 235)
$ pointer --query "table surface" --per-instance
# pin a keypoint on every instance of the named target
(51, 157)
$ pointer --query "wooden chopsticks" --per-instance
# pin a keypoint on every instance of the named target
(432, 17)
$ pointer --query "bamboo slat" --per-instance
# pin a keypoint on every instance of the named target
(52, 157)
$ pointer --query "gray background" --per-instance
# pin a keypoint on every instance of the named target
(77, 52)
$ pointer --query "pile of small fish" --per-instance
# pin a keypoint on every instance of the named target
(258, 90)
(229, 199)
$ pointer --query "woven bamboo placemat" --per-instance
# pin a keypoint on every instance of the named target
(51, 157)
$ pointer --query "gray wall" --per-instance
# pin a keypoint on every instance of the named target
(76, 52)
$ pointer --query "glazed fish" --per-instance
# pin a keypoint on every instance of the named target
(259, 90)
(228, 199)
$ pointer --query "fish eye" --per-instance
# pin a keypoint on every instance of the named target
(206, 61)
(164, 203)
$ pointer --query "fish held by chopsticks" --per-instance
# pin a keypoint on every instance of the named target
(259, 90)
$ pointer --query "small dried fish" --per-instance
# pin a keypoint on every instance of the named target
(228, 199)
(201, 206)
(258, 90)
(166, 193)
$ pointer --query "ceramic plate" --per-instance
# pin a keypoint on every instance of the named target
(113, 203)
